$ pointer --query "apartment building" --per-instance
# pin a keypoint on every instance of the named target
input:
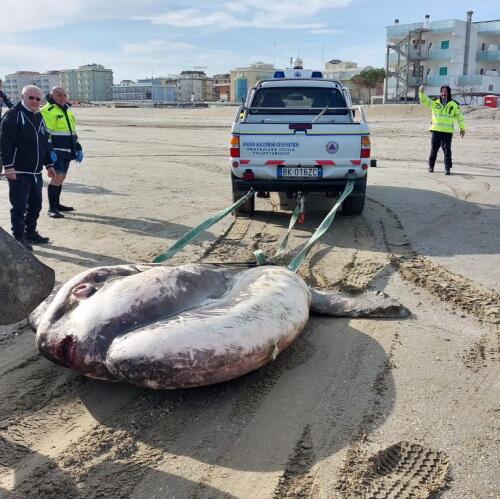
(15, 82)
(89, 83)
(462, 54)
(246, 77)
(196, 86)
(149, 90)
(222, 87)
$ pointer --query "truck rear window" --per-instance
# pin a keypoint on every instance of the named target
(297, 100)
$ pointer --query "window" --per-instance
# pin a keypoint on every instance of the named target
(443, 71)
(297, 100)
(445, 44)
(481, 71)
(490, 88)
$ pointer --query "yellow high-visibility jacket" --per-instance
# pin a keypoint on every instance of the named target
(443, 117)
(61, 125)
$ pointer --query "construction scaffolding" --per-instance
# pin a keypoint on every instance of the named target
(405, 65)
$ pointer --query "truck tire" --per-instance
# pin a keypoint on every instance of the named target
(249, 206)
(373, 163)
(354, 205)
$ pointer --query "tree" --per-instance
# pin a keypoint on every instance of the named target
(370, 79)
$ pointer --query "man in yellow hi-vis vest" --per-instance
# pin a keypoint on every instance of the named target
(445, 111)
(61, 125)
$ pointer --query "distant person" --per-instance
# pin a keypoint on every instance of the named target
(25, 149)
(4, 100)
(61, 124)
(445, 111)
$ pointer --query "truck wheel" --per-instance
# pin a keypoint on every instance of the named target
(373, 163)
(247, 207)
(354, 205)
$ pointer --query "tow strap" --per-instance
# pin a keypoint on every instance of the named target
(193, 233)
(259, 254)
(323, 227)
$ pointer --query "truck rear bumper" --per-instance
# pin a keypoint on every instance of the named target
(289, 185)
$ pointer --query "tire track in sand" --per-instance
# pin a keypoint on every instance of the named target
(454, 289)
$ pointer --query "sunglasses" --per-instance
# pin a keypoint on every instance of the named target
(31, 97)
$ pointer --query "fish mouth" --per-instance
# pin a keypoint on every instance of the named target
(67, 353)
(65, 350)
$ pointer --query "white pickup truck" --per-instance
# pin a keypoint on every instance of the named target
(299, 133)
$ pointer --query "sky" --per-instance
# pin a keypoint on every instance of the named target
(144, 38)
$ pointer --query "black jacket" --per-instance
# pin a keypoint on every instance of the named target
(24, 142)
(6, 100)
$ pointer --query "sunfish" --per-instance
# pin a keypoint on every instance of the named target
(191, 325)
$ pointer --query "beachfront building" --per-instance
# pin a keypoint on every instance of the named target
(244, 78)
(147, 91)
(89, 83)
(15, 82)
(344, 72)
(222, 87)
(462, 54)
(195, 86)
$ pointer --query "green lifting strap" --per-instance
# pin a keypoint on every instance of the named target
(323, 227)
(260, 255)
(193, 233)
(293, 220)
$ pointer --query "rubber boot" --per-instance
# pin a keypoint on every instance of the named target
(53, 194)
(60, 206)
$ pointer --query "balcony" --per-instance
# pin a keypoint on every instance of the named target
(439, 81)
(398, 31)
(489, 28)
(470, 81)
(442, 54)
(488, 55)
(447, 26)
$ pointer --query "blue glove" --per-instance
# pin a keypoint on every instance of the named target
(53, 156)
(79, 156)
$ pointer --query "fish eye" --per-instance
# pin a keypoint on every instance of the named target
(83, 291)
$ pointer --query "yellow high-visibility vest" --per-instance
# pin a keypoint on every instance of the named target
(62, 131)
(443, 117)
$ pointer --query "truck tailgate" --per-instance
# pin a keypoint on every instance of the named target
(322, 144)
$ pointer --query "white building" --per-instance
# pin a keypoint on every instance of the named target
(462, 54)
(15, 82)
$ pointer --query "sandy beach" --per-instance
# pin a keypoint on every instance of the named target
(354, 408)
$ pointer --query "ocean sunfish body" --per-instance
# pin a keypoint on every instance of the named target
(191, 325)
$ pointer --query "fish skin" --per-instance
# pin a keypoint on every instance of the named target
(165, 327)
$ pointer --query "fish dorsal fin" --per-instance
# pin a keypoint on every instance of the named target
(368, 304)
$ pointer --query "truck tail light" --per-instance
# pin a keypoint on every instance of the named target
(248, 175)
(234, 151)
(365, 146)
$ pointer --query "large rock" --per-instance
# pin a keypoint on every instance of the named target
(24, 281)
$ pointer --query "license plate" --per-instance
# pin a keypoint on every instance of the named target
(300, 172)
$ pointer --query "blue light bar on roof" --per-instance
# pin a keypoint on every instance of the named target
(279, 74)
(316, 74)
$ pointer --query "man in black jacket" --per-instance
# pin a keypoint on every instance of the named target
(25, 148)
(4, 100)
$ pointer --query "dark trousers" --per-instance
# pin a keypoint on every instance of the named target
(441, 139)
(25, 194)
